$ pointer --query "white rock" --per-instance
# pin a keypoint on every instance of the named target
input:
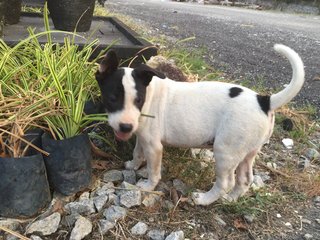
(129, 176)
(11, 237)
(306, 221)
(272, 165)
(34, 237)
(46, 226)
(289, 225)
(105, 226)
(204, 154)
(279, 215)
(82, 228)
(130, 195)
(151, 199)
(130, 198)
(84, 196)
(249, 218)
(312, 153)
(318, 220)
(257, 182)
(180, 186)
(69, 220)
(100, 202)
(114, 213)
(288, 143)
(113, 176)
(10, 224)
(114, 199)
(85, 207)
(179, 235)
(317, 199)
(156, 234)
(308, 236)
(142, 172)
(139, 229)
(105, 189)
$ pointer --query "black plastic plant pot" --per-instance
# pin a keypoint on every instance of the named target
(69, 15)
(24, 188)
(69, 163)
(13, 11)
(33, 136)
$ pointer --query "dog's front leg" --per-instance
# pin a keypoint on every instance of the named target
(153, 155)
(138, 157)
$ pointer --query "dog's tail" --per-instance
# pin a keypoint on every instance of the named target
(284, 96)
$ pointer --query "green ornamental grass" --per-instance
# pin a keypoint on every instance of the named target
(45, 86)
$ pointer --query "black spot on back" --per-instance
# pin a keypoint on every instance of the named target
(235, 91)
(112, 90)
(264, 102)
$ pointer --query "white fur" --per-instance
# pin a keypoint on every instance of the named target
(194, 114)
(130, 113)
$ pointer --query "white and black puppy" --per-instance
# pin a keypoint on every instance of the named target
(232, 119)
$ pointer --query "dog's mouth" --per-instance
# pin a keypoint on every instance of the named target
(122, 136)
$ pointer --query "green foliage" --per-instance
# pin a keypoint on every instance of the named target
(45, 86)
(258, 203)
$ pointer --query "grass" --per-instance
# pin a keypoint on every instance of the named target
(45, 86)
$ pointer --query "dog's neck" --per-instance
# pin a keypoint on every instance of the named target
(157, 89)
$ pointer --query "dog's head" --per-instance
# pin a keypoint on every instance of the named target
(123, 93)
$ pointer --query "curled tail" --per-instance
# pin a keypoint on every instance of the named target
(284, 96)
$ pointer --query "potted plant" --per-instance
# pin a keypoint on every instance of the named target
(24, 188)
(71, 15)
(59, 79)
(70, 76)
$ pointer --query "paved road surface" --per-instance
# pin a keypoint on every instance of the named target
(238, 41)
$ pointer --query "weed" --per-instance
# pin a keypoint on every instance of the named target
(100, 11)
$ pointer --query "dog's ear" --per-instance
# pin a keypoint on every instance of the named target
(110, 63)
(146, 73)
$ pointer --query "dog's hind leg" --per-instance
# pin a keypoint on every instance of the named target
(138, 157)
(244, 177)
(153, 155)
(225, 166)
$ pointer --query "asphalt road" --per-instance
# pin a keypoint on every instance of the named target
(238, 41)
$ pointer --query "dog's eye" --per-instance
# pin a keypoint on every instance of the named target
(138, 101)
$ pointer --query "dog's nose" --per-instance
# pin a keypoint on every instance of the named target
(125, 127)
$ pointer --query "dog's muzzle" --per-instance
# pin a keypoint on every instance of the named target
(125, 131)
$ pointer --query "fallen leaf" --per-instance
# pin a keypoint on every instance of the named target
(239, 224)
(174, 196)
(100, 165)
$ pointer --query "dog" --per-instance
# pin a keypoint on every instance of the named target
(232, 119)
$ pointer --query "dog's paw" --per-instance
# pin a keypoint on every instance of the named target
(197, 198)
(231, 196)
(146, 185)
(227, 198)
(202, 198)
(130, 165)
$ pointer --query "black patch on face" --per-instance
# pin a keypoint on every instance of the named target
(142, 76)
(141, 92)
(112, 90)
(264, 102)
(235, 91)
